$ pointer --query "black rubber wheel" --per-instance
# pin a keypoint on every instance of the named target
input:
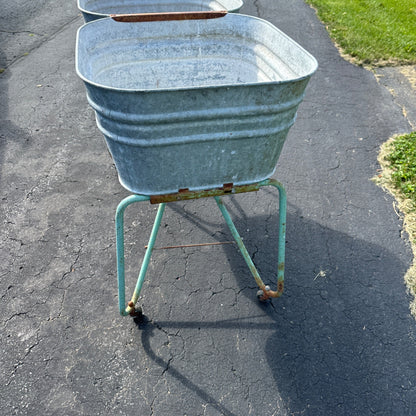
(137, 313)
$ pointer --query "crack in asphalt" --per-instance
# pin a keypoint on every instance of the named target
(37, 45)
(21, 362)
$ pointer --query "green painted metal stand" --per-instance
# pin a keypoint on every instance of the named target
(227, 189)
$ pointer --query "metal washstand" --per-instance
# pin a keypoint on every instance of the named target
(192, 105)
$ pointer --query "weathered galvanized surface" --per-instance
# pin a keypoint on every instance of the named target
(97, 9)
(192, 104)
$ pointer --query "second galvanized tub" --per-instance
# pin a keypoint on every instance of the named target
(97, 9)
(195, 103)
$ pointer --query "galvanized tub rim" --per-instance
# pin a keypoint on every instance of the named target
(82, 7)
(196, 87)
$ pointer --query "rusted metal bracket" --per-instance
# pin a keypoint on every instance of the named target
(167, 16)
(185, 194)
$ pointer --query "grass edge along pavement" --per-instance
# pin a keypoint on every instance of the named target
(371, 32)
(388, 180)
(369, 48)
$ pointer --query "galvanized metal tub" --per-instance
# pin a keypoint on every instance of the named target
(98, 9)
(192, 104)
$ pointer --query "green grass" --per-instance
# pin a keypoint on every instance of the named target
(402, 159)
(375, 32)
(398, 161)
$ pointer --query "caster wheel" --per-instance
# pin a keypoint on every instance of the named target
(137, 311)
(260, 294)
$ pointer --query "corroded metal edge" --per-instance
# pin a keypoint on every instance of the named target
(167, 16)
(185, 194)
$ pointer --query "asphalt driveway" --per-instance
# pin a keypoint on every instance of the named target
(340, 341)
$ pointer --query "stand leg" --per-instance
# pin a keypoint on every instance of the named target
(282, 235)
(267, 293)
(130, 309)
